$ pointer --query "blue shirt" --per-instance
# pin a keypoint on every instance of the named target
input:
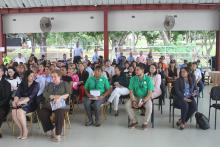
(187, 89)
(130, 59)
(42, 83)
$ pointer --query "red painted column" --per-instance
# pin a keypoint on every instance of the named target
(2, 37)
(218, 50)
(106, 43)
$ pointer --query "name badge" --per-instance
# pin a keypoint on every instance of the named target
(95, 92)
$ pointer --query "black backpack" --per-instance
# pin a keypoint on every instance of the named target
(202, 121)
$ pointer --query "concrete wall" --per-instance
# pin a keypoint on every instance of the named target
(118, 21)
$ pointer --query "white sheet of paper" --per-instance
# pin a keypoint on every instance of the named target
(95, 92)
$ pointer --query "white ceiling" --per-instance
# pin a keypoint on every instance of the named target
(45, 3)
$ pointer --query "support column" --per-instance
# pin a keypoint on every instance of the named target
(106, 40)
(218, 50)
(1, 37)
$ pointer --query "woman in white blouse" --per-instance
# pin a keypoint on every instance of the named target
(156, 81)
(13, 79)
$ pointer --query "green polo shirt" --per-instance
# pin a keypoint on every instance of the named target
(139, 87)
(101, 84)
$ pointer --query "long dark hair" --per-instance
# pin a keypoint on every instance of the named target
(25, 79)
(189, 75)
(155, 73)
(15, 73)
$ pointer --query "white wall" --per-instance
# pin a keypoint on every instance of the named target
(63, 22)
(153, 20)
(118, 21)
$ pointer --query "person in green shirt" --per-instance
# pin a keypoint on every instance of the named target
(141, 87)
(97, 88)
(6, 60)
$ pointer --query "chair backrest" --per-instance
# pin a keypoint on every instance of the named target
(215, 93)
(163, 88)
(172, 93)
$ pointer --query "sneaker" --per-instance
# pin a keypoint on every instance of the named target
(97, 124)
(89, 123)
(57, 138)
(0, 135)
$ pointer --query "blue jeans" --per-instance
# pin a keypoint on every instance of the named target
(93, 106)
(187, 109)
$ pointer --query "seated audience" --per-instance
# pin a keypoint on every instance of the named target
(156, 78)
(25, 101)
(198, 76)
(55, 95)
(120, 87)
(5, 97)
(83, 76)
(141, 88)
(184, 88)
(13, 79)
(97, 88)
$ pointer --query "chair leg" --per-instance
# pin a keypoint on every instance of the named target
(31, 122)
(197, 102)
(209, 112)
(152, 116)
(128, 122)
(105, 111)
(64, 127)
(110, 108)
(68, 119)
(215, 117)
(173, 118)
(38, 121)
(170, 112)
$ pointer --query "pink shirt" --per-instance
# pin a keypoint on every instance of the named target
(157, 82)
(75, 79)
(142, 58)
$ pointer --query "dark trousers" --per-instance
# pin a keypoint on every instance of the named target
(187, 109)
(200, 85)
(93, 106)
(4, 110)
(44, 116)
(76, 59)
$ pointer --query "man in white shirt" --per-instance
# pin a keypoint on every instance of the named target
(109, 69)
(19, 59)
(77, 53)
(198, 76)
(95, 57)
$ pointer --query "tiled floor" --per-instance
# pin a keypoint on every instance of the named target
(114, 132)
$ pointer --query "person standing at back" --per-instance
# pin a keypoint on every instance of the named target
(77, 53)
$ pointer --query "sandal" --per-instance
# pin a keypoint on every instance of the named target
(144, 126)
(133, 125)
